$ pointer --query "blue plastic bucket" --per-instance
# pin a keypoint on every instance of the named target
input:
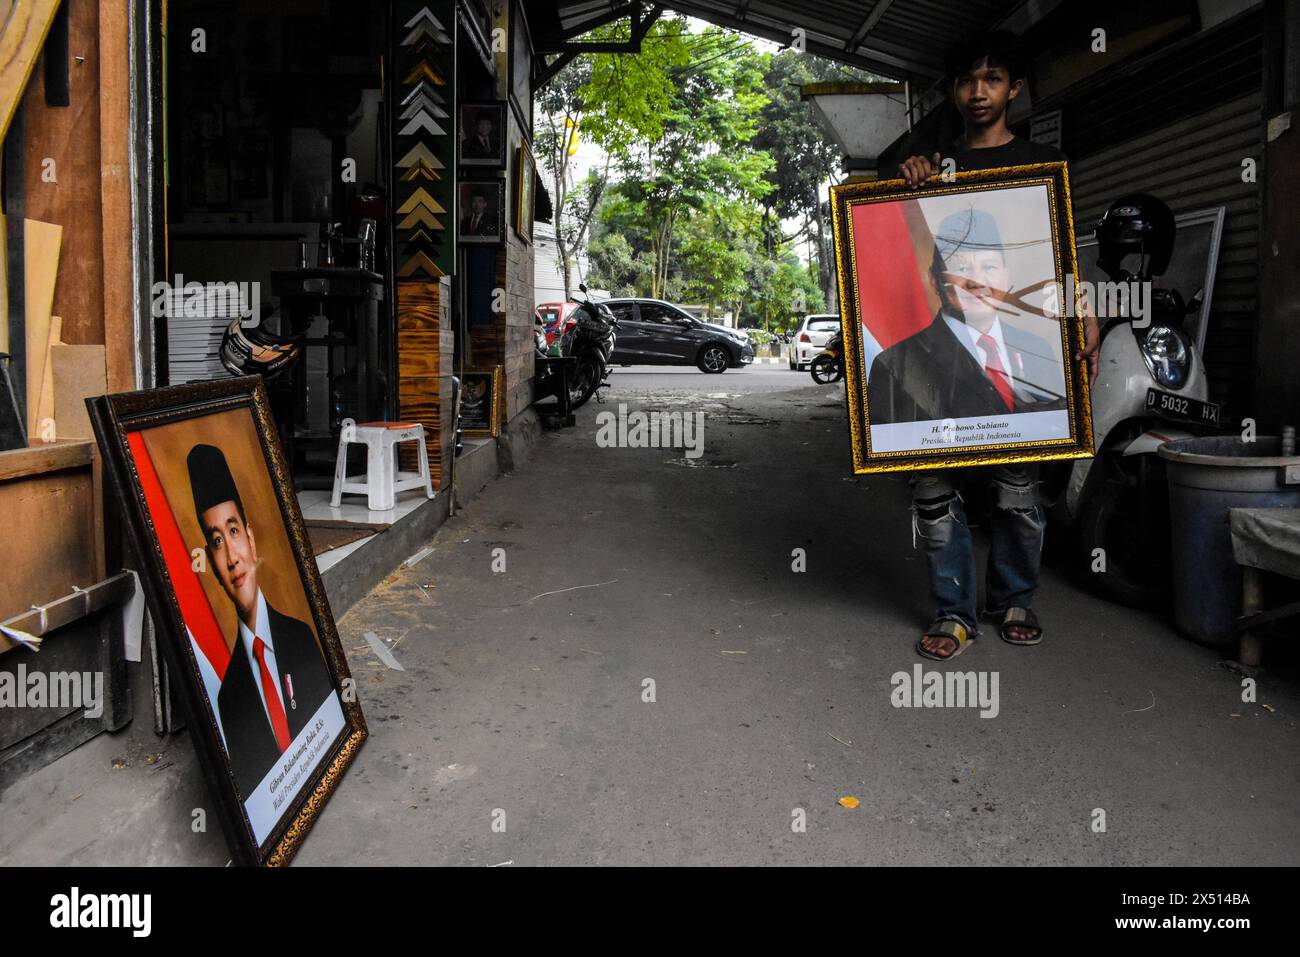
(1208, 476)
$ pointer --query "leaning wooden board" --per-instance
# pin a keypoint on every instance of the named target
(21, 39)
(41, 244)
(45, 409)
(80, 373)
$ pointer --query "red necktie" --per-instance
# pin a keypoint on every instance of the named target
(272, 694)
(993, 368)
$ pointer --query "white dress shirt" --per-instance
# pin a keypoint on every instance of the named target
(969, 336)
(246, 642)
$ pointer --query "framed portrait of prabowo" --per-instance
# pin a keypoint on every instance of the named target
(480, 399)
(237, 603)
(958, 342)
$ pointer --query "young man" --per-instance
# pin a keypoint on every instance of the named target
(276, 679)
(985, 74)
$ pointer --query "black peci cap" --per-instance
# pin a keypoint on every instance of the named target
(210, 480)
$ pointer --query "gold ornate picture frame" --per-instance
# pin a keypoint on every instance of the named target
(480, 403)
(237, 603)
(958, 320)
(525, 177)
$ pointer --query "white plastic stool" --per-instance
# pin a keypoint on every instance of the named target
(383, 479)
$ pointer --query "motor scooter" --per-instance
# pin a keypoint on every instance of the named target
(591, 340)
(828, 365)
(1150, 389)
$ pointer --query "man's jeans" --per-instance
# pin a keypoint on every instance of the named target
(1015, 539)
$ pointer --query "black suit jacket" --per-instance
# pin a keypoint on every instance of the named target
(931, 375)
(487, 225)
(473, 149)
(250, 742)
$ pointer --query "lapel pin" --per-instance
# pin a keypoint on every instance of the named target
(293, 702)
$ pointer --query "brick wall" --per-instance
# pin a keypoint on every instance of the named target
(512, 333)
(518, 326)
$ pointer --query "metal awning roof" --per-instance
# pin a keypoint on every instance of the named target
(900, 39)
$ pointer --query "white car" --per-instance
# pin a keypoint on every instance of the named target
(811, 338)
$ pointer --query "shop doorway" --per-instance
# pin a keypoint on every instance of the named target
(277, 164)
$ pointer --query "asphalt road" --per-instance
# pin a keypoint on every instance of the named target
(524, 699)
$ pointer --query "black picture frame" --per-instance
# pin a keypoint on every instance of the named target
(470, 151)
(140, 435)
(480, 402)
(521, 65)
(487, 228)
(918, 397)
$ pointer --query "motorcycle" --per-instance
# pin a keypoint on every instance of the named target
(591, 341)
(828, 365)
(1151, 388)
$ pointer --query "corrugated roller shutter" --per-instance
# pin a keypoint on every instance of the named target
(1191, 165)
(1194, 162)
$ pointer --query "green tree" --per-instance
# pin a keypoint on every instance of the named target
(617, 267)
(701, 148)
(710, 149)
(610, 102)
(789, 293)
(715, 251)
(804, 155)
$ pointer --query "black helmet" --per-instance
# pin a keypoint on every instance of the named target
(1136, 223)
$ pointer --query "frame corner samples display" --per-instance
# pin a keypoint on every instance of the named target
(480, 402)
(959, 332)
(237, 602)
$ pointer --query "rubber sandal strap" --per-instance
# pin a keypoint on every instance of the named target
(946, 628)
(1025, 618)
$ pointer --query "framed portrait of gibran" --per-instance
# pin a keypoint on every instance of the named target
(958, 341)
(237, 603)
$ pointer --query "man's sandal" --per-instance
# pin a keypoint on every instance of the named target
(1023, 619)
(954, 631)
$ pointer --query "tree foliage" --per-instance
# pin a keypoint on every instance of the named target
(709, 153)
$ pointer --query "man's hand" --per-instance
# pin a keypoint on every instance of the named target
(917, 169)
(1091, 338)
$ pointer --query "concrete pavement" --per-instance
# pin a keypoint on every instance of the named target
(520, 731)
(523, 691)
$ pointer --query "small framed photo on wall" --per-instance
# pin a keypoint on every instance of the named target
(482, 212)
(480, 400)
(483, 134)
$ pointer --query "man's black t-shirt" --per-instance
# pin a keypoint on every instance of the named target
(1017, 152)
